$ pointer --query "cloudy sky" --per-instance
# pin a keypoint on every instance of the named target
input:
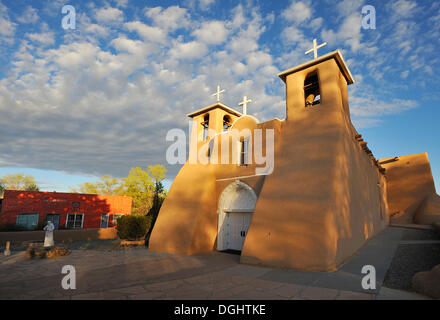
(77, 104)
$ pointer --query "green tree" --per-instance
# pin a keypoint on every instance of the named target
(106, 185)
(109, 185)
(86, 187)
(2, 189)
(19, 181)
(32, 187)
(158, 172)
(145, 188)
(140, 186)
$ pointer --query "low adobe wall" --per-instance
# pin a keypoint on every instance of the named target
(409, 184)
(60, 235)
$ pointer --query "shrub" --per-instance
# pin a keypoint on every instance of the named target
(50, 252)
(133, 227)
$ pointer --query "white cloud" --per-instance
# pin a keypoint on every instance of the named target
(121, 3)
(293, 35)
(109, 15)
(349, 33)
(30, 15)
(7, 27)
(93, 29)
(238, 18)
(171, 18)
(404, 8)
(188, 50)
(348, 7)
(369, 103)
(205, 4)
(258, 59)
(211, 32)
(147, 32)
(404, 74)
(297, 12)
(44, 38)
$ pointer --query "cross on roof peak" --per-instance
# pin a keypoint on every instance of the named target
(315, 48)
(244, 103)
(218, 93)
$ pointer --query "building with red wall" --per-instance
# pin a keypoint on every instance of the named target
(66, 210)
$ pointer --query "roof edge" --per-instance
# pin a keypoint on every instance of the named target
(337, 55)
(218, 104)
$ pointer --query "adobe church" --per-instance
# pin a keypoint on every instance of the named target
(326, 196)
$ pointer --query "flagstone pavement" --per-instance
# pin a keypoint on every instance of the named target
(142, 274)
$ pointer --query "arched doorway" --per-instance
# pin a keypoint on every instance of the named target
(235, 209)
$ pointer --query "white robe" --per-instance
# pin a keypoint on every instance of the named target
(48, 237)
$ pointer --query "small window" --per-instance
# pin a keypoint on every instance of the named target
(226, 123)
(312, 93)
(116, 216)
(205, 125)
(104, 220)
(244, 152)
(75, 221)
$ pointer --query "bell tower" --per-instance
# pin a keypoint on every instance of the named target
(209, 121)
(319, 84)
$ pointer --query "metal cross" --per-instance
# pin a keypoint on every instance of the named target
(244, 103)
(218, 93)
(315, 48)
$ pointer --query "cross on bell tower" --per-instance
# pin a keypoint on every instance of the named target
(315, 49)
(244, 103)
(218, 93)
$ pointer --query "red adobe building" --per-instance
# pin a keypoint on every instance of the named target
(66, 210)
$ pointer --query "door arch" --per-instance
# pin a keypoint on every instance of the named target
(236, 205)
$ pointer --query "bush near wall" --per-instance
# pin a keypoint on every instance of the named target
(133, 227)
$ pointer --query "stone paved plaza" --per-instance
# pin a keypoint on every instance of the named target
(142, 274)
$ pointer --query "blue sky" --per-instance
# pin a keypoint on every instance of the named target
(78, 104)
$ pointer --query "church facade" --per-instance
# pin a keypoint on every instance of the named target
(323, 196)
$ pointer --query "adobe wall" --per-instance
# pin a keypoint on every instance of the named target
(188, 204)
(188, 219)
(360, 192)
(60, 235)
(307, 216)
(410, 182)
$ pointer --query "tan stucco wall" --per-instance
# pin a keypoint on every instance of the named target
(411, 190)
(188, 219)
(321, 203)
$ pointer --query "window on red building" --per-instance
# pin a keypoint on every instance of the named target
(116, 216)
(75, 221)
(28, 220)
